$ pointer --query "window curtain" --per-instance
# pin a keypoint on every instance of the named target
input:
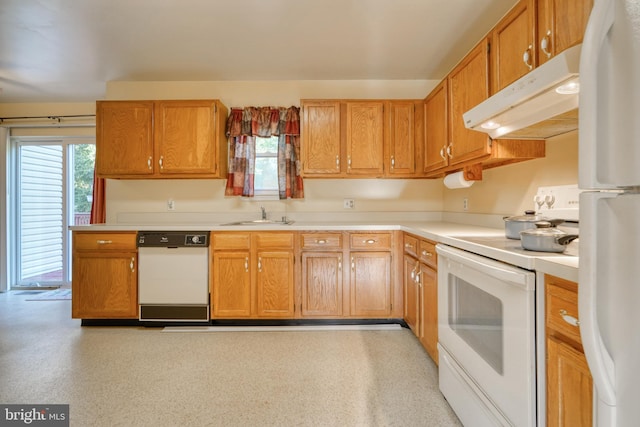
(243, 126)
(98, 205)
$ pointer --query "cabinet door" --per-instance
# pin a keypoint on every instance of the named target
(401, 157)
(274, 284)
(468, 86)
(124, 138)
(429, 330)
(370, 284)
(365, 138)
(561, 24)
(231, 285)
(411, 294)
(322, 284)
(104, 285)
(513, 45)
(321, 138)
(185, 137)
(569, 386)
(436, 129)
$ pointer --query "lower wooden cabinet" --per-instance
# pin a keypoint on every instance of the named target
(252, 275)
(569, 382)
(421, 292)
(104, 276)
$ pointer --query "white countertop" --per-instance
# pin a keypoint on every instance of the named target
(484, 241)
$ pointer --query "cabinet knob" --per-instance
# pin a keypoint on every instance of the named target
(321, 241)
(526, 58)
(569, 319)
(544, 44)
(369, 241)
(161, 162)
(104, 242)
(149, 163)
(393, 162)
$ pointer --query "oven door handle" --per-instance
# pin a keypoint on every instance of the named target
(501, 271)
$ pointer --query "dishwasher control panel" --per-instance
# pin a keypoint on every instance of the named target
(169, 239)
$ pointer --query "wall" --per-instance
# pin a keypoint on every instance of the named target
(509, 190)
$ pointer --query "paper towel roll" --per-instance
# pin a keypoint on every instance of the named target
(456, 180)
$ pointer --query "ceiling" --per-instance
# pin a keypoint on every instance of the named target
(66, 50)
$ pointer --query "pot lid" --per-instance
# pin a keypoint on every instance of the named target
(529, 216)
(544, 228)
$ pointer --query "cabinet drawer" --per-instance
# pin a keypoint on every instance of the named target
(370, 240)
(410, 245)
(230, 241)
(562, 311)
(273, 240)
(89, 241)
(311, 241)
(427, 253)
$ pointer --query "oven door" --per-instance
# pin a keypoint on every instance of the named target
(486, 327)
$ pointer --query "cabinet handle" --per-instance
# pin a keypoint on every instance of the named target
(132, 264)
(544, 44)
(246, 264)
(161, 162)
(569, 319)
(419, 279)
(339, 263)
(393, 162)
(449, 151)
(149, 163)
(337, 162)
(353, 264)
(321, 241)
(408, 245)
(442, 153)
(260, 264)
(369, 241)
(526, 58)
(349, 162)
(425, 253)
(104, 242)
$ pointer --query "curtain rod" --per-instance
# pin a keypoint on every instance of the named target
(56, 118)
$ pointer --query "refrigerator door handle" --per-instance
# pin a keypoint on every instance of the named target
(600, 22)
(600, 362)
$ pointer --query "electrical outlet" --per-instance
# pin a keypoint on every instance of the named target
(465, 204)
(171, 205)
(349, 203)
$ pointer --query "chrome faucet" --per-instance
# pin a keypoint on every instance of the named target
(264, 213)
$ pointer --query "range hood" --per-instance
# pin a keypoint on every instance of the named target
(541, 104)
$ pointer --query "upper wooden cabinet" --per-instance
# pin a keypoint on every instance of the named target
(513, 44)
(365, 138)
(361, 138)
(436, 124)
(161, 139)
(400, 156)
(468, 86)
(561, 24)
(321, 153)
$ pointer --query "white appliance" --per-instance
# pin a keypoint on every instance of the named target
(609, 172)
(173, 275)
(546, 97)
(486, 339)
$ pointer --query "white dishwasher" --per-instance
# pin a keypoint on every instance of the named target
(173, 275)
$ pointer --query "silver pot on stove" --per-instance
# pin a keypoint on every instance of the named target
(546, 238)
(513, 225)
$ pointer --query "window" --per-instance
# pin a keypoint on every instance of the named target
(266, 170)
(53, 189)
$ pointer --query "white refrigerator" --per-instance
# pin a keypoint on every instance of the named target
(609, 172)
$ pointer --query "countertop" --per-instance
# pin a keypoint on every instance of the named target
(484, 241)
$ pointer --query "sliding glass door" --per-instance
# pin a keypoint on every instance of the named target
(53, 189)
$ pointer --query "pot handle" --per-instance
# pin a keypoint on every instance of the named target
(556, 222)
(565, 240)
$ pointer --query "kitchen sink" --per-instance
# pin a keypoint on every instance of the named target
(261, 222)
